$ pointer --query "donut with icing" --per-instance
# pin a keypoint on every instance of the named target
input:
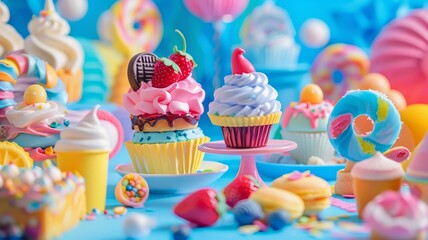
(341, 129)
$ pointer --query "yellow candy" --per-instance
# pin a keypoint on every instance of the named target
(312, 94)
(35, 94)
(119, 210)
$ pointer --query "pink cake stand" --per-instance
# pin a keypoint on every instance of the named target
(248, 155)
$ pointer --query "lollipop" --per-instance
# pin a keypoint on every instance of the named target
(399, 53)
(339, 68)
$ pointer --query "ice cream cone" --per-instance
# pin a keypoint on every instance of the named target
(72, 83)
(366, 190)
(93, 167)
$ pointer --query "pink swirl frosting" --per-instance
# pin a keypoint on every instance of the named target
(183, 97)
(396, 215)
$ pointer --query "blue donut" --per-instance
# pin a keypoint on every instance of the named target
(379, 108)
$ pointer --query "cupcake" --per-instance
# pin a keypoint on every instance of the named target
(374, 176)
(35, 124)
(10, 40)
(245, 107)
(49, 41)
(394, 215)
(305, 123)
(165, 103)
(417, 171)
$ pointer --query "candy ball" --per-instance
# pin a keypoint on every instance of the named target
(397, 99)
(247, 211)
(137, 225)
(312, 94)
(375, 81)
(73, 9)
(34, 94)
(314, 33)
(278, 219)
(181, 232)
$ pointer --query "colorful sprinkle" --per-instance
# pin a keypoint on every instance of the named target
(248, 229)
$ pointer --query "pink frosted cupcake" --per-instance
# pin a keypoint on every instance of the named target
(394, 215)
(245, 107)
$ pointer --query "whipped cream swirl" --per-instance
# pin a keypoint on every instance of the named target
(10, 39)
(245, 95)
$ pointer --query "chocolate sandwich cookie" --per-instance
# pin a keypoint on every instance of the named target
(140, 68)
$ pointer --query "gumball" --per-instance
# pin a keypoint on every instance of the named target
(375, 81)
(312, 94)
(314, 33)
(73, 9)
(397, 99)
(34, 94)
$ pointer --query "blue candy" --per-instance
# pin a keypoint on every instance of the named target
(247, 211)
(278, 219)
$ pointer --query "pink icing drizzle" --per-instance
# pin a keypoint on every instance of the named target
(313, 112)
(340, 124)
(38, 154)
(40, 129)
(183, 97)
(6, 95)
(347, 206)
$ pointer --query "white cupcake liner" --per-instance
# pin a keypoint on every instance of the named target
(308, 145)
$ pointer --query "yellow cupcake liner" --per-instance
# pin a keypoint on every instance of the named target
(228, 121)
(167, 158)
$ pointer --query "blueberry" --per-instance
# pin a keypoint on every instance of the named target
(246, 211)
(181, 232)
(278, 219)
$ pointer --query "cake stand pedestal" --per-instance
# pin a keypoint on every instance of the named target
(248, 155)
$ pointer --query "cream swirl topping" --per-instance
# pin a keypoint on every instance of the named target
(22, 116)
(49, 41)
(247, 94)
(88, 134)
(10, 39)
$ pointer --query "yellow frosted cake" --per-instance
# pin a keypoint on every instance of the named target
(39, 203)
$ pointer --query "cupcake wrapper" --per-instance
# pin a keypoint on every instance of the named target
(167, 158)
(227, 121)
(246, 137)
(310, 144)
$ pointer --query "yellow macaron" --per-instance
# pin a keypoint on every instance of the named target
(314, 191)
(273, 199)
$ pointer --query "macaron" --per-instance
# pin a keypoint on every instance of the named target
(314, 191)
(273, 199)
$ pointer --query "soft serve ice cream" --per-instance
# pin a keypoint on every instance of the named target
(10, 40)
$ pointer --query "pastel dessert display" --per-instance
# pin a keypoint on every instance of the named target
(134, 26)
(398, 53)
(10, 39)
(165, 103)
(305, 123)
(43, 203)
(357, 147)
(36, 123)
(12, 153)
(245, 107)
(203, 207)
(395, 215)
(240, 189)
(273, 199)
(132, 190)
(49, 41)
(416, 175)
(374, 176)
(268, 36)
(84, 149)
(314, 191)
(339, 68)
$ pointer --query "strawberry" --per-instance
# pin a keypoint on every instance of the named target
(240, 189)
(166, 72)
(183, 59)
(202, 207)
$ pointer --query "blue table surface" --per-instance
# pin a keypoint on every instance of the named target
(159, 207)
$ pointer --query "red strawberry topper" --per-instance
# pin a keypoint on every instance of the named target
(165, 73)
(202, 207)
(240, 64)
(239, 189)
(182, 59)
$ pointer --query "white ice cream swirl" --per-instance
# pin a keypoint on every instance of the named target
(245, 95)
(25, 116)
(88, 134)
(10, 39)
(49, 41)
